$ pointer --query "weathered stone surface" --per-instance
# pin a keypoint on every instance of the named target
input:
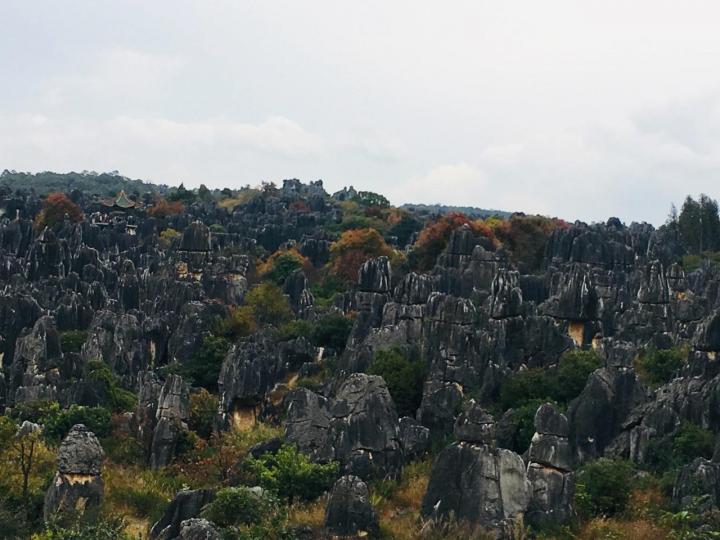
(77, 489)
(697, 487)
(358, 427)
(414, 438)
(348, 511)
(598, 413)
(479, 484)
(550, 469)
(198, 529)
(35, 370)
(250, 370)
(186, 505)
(171, 416)
(475, 425)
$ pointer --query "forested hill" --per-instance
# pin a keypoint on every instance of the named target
(471, 211)
(279, 362)
(91, 183)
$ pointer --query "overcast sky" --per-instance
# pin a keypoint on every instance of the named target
(580, 109)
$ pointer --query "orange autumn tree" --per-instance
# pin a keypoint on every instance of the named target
(353, 248)
(55, 206)
(435, 235)
(525, 237)
(163, 208)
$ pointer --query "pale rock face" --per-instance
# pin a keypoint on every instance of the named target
(550, 469)
(479, 484)
(349, 511)
(77, 489)
(358, 427)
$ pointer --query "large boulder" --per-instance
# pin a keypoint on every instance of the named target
(697, 486)
(35, 370)
(249, 371)
(171, 417)
(198, 529)
(349, 511)
(77, 489)
(414, 438)
(475, 425)
(186, 505)
(358, 427)
(611, 393)
(549, 470)
(482, 485)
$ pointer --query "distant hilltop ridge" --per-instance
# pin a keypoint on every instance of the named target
(110, 183)
(470, 211)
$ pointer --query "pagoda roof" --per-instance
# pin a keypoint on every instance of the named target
(120, 201)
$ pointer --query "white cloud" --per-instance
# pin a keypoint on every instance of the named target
(565, 109)
(276, 135)
(119, 75)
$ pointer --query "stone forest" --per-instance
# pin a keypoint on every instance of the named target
(279, 362)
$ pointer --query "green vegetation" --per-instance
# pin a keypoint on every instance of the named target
(522, 420)
(203, 368)
(404, 379)
(693, 441)
(72, 340)
(89, 182)
(291, 475)
(203, 411)
(560, 385)
(106, 529)
(603, 487)
(57, 423)
(281, 264)
(331, 330)
(325, 290)
(699, 224)
(236, 506)
(659, 366)
(268, 304)
(118, 399)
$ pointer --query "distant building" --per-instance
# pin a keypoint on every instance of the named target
(121, 202)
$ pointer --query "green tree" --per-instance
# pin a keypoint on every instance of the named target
(404, 229)
(290, 474)
(404, 379)
(236, 506)
(369, 198)
(699, 224)
(575, 367)
(523, 386)
(332, 331)
(560, 385)
(602, 488)
(268, 304)
(692, 441)
(282, 266)
(58, 422)
(106, 529)
(203, 411)
(118, 399)
(72, 340)
(203, 368)
(660, 366)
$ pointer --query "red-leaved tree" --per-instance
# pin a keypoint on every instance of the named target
(55, 207)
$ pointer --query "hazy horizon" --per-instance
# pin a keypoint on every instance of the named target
(578, 111)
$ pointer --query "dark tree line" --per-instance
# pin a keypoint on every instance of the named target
(698, 224)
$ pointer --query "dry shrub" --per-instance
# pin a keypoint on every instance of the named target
(610, 529)
(309, 514)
